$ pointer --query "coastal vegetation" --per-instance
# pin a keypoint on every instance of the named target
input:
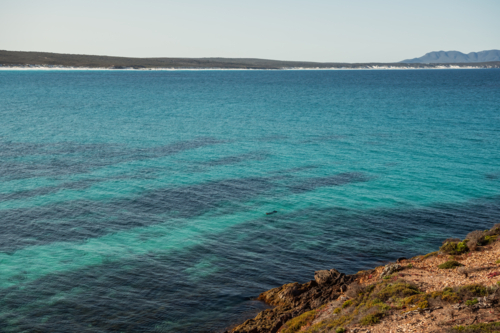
(449, 264)
(376, 301)
(477, 328)
(397, 295)
(17, 58)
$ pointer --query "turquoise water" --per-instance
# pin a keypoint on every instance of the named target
(135, 201)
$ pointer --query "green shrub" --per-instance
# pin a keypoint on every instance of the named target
(295, 324)
(366, 308)
(419, 301)
(428, 255)
(316, 328)
(474, 289)
(409, 266)
(346, 304)
(490, 239)
(477, 328)
(462, 247)
(383, 307)
(449, 264)
(371, 319)
(397, 289)
(471, 302)
(370, 288)
(341, 321)
(449, 295)
(454, 247)
(340, 330)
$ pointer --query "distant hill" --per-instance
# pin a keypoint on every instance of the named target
(15, 59)
(452, 57)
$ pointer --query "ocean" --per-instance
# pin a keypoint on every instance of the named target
(136, 201)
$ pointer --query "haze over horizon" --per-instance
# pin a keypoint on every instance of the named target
(321, 31)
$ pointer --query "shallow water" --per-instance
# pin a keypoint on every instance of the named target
(135, 201)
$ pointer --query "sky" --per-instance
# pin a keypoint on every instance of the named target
(313, 30)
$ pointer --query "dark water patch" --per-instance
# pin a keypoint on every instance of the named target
(211, 285)
(273, 138)
(80, 220)
(194, 200)
(254, 156)
(78, 159)
(144, 294)
(75, 185)
(383, 135)
(174, 148)
(492, 175)
(325, 138)
(310, 184)
(53, 168)
(23, 149)
(144, 173)
(83, 219)
(332, 137)
(73, 221)
(295, 170)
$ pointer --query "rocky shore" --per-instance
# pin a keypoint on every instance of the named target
(455, 289)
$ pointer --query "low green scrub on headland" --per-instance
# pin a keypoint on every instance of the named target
(370, 304)
(295, 324)
(474, 239)
(454, 247)
(432, 254)
(477, 328)
(449, 264)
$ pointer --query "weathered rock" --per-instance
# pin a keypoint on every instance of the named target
(389, 269)
(288, 294)
(325, 276)
(293, 299)
(284, 295)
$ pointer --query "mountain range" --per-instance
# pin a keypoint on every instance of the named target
(449, 57)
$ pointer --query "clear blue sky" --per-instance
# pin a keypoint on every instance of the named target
(313, 30)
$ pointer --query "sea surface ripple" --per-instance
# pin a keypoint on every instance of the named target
(135, 201)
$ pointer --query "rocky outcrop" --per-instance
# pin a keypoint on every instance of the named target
(433, 299)
(326, 277)
(390, 269)
(293, 299)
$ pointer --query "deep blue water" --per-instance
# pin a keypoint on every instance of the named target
(135, 201)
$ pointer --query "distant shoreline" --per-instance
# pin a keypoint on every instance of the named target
(64, 68)
(56, 61)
